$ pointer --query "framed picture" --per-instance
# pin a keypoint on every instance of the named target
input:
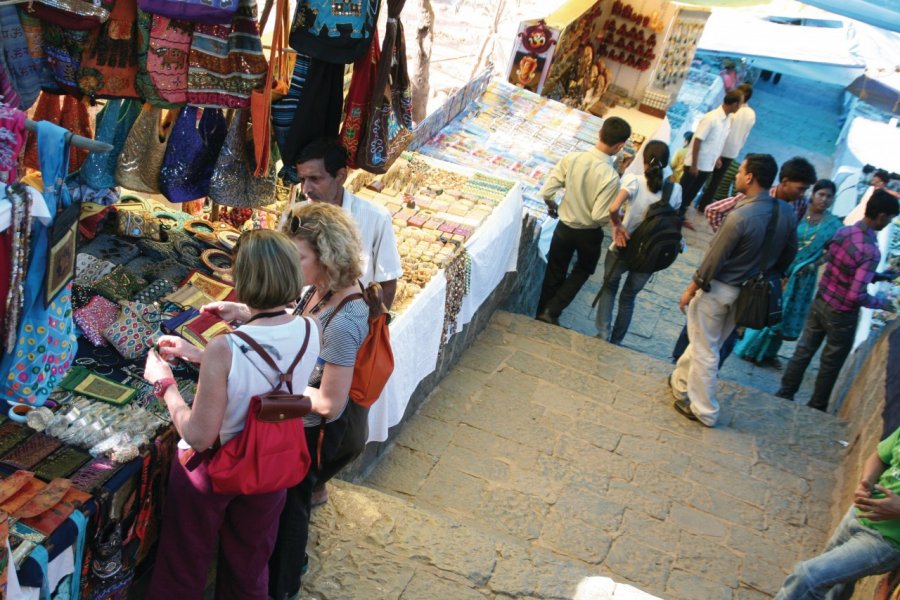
(62, 252)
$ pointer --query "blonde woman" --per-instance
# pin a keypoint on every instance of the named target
(198, 521)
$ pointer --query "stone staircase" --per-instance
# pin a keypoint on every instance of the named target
(547, 458)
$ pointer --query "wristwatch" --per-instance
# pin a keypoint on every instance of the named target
(160, 386)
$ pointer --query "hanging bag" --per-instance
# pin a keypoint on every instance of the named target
(197, 11)
(270, 453)
(758, 304)
(261, 99)
(114, 122)
(227, 61)
(142, 156)
(359, 97)
(233, 182)
(109, 64)
(389, 125)
(71, 14)
(163, 47)
(191, 154)
(334, 32)
(45, 343)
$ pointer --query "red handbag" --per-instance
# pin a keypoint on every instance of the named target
(270, 454)
(359, 96)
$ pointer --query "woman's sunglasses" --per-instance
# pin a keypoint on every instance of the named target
(295, 225)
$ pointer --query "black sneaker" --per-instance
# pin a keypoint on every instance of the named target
(684, 407)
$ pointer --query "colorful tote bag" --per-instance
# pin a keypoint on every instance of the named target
(227, 62)
(359, 97)
(63, 49)
(167, 57)
(214, 12)
(144, 83)
(22, 70)
(46, 343)
(191, 154)
(113, 124)
(335, 32)
(109, 65)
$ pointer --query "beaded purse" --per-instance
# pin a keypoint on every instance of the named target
(119, 285)
(92, 319)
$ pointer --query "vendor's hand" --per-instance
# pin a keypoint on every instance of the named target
(171, 347)
(155, 368)
(694, 171)
(620, 236)
(227, 311)
(879, 509)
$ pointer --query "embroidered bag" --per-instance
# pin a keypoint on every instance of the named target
(113, 124)
(227, 61)
(134, 331)
(154, 291)
(89, 269)
(359, 97)
(105, 247)
(196, 11)
(389, 126)
(63, 49)
(336, 31)
(109, 64)
(92, 319)
(138, 165)
(45, 343)
(148, 30)
(191, 154)
(133, 224)
(118, 285)
(23, 72)
(71, 14)
(33, 29)
(233, 183)
(270, 453)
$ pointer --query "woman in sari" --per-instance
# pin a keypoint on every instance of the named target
(813, 234)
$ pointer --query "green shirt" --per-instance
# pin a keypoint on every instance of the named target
(889, 452)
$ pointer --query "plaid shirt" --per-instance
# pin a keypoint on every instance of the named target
(717, 211)
(851, 261)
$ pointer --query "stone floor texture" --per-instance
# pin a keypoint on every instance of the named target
(546, 457)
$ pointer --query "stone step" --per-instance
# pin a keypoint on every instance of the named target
(546, 457)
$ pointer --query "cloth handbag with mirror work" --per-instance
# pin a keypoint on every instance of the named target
(120, 284)
(135, 330)
(133, 224)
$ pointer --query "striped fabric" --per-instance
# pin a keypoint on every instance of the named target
(283, 110)
(226, 62)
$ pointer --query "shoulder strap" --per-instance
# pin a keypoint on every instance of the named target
(770, 232)
(668, 186)
(283, 378)
(337, 308)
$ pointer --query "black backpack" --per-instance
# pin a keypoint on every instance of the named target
(656, 242)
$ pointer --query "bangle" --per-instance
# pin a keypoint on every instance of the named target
(206, 257)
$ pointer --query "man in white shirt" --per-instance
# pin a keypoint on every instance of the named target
(706, 147)
(741, 123)
(322, 169)
(591, 184)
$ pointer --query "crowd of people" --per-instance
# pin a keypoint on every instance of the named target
(771, 229)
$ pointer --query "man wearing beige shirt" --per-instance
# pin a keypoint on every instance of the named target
(591, 184)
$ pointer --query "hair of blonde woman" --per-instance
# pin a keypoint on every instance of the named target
(334, 238)
(266, 269)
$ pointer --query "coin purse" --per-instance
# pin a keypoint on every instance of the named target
(92, 319)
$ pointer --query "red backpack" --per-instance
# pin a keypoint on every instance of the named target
(375, 358)
(270, 453)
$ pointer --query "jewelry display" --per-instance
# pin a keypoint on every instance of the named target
(679, 50)
(20, 234)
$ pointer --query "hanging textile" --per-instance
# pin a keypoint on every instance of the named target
(359, 97)
(276, 85)
(109, 65)
(46, 343)
(22, 72)
(113, 124)
(226, 62)
(389, 127)
(73, 115)
(318, 111)
(63, 49)
(336, 32)
(33, 29)
(191, 154)
(283, 110)
(8, 95)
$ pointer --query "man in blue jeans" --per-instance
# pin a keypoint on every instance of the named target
(866, 542)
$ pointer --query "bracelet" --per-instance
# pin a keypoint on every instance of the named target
(206, 258)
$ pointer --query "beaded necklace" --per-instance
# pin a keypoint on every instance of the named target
(815, 231)
(20, 234)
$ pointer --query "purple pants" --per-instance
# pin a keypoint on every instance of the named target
(197, 522)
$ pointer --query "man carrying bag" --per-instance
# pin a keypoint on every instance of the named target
(755, 244)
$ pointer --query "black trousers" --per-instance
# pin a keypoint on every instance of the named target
(714, 180)
(690, 185)
(560, 287)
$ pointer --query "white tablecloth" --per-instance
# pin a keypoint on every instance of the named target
(416, 333)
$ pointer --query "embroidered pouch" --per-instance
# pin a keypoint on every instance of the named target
(11, 485)
(22, 496)
(87, 383)
(61, 463)
(111, 249)
(92, 319)
(47, 521)
(210, 286)
(203, 328)
(172, 325)
(109, 64)
(154, 291)
(134, 224)
(118, 285)
(132, 334)
(48, 497)
(89, 268)
(187, 296)
(31, 451)
(11, 433)
(62, 244)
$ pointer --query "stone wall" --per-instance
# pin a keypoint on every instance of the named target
(864, 407)
(517, 292)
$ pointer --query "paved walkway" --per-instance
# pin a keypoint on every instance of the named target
(546, 457)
